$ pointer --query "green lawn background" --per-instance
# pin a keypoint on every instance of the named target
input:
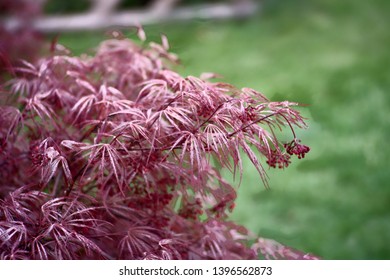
(334, 56)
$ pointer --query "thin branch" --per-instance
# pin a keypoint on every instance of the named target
(248, 125)
(213, 114)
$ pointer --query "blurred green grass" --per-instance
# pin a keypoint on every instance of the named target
(334, 56)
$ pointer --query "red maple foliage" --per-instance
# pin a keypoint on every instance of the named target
(111, 156)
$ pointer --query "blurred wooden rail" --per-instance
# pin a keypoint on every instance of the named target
(103, 15)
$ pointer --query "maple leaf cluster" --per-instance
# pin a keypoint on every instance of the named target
(112, 156)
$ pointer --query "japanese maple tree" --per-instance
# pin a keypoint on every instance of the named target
(113, 156)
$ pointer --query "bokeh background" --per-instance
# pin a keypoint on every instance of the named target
(331, 55)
